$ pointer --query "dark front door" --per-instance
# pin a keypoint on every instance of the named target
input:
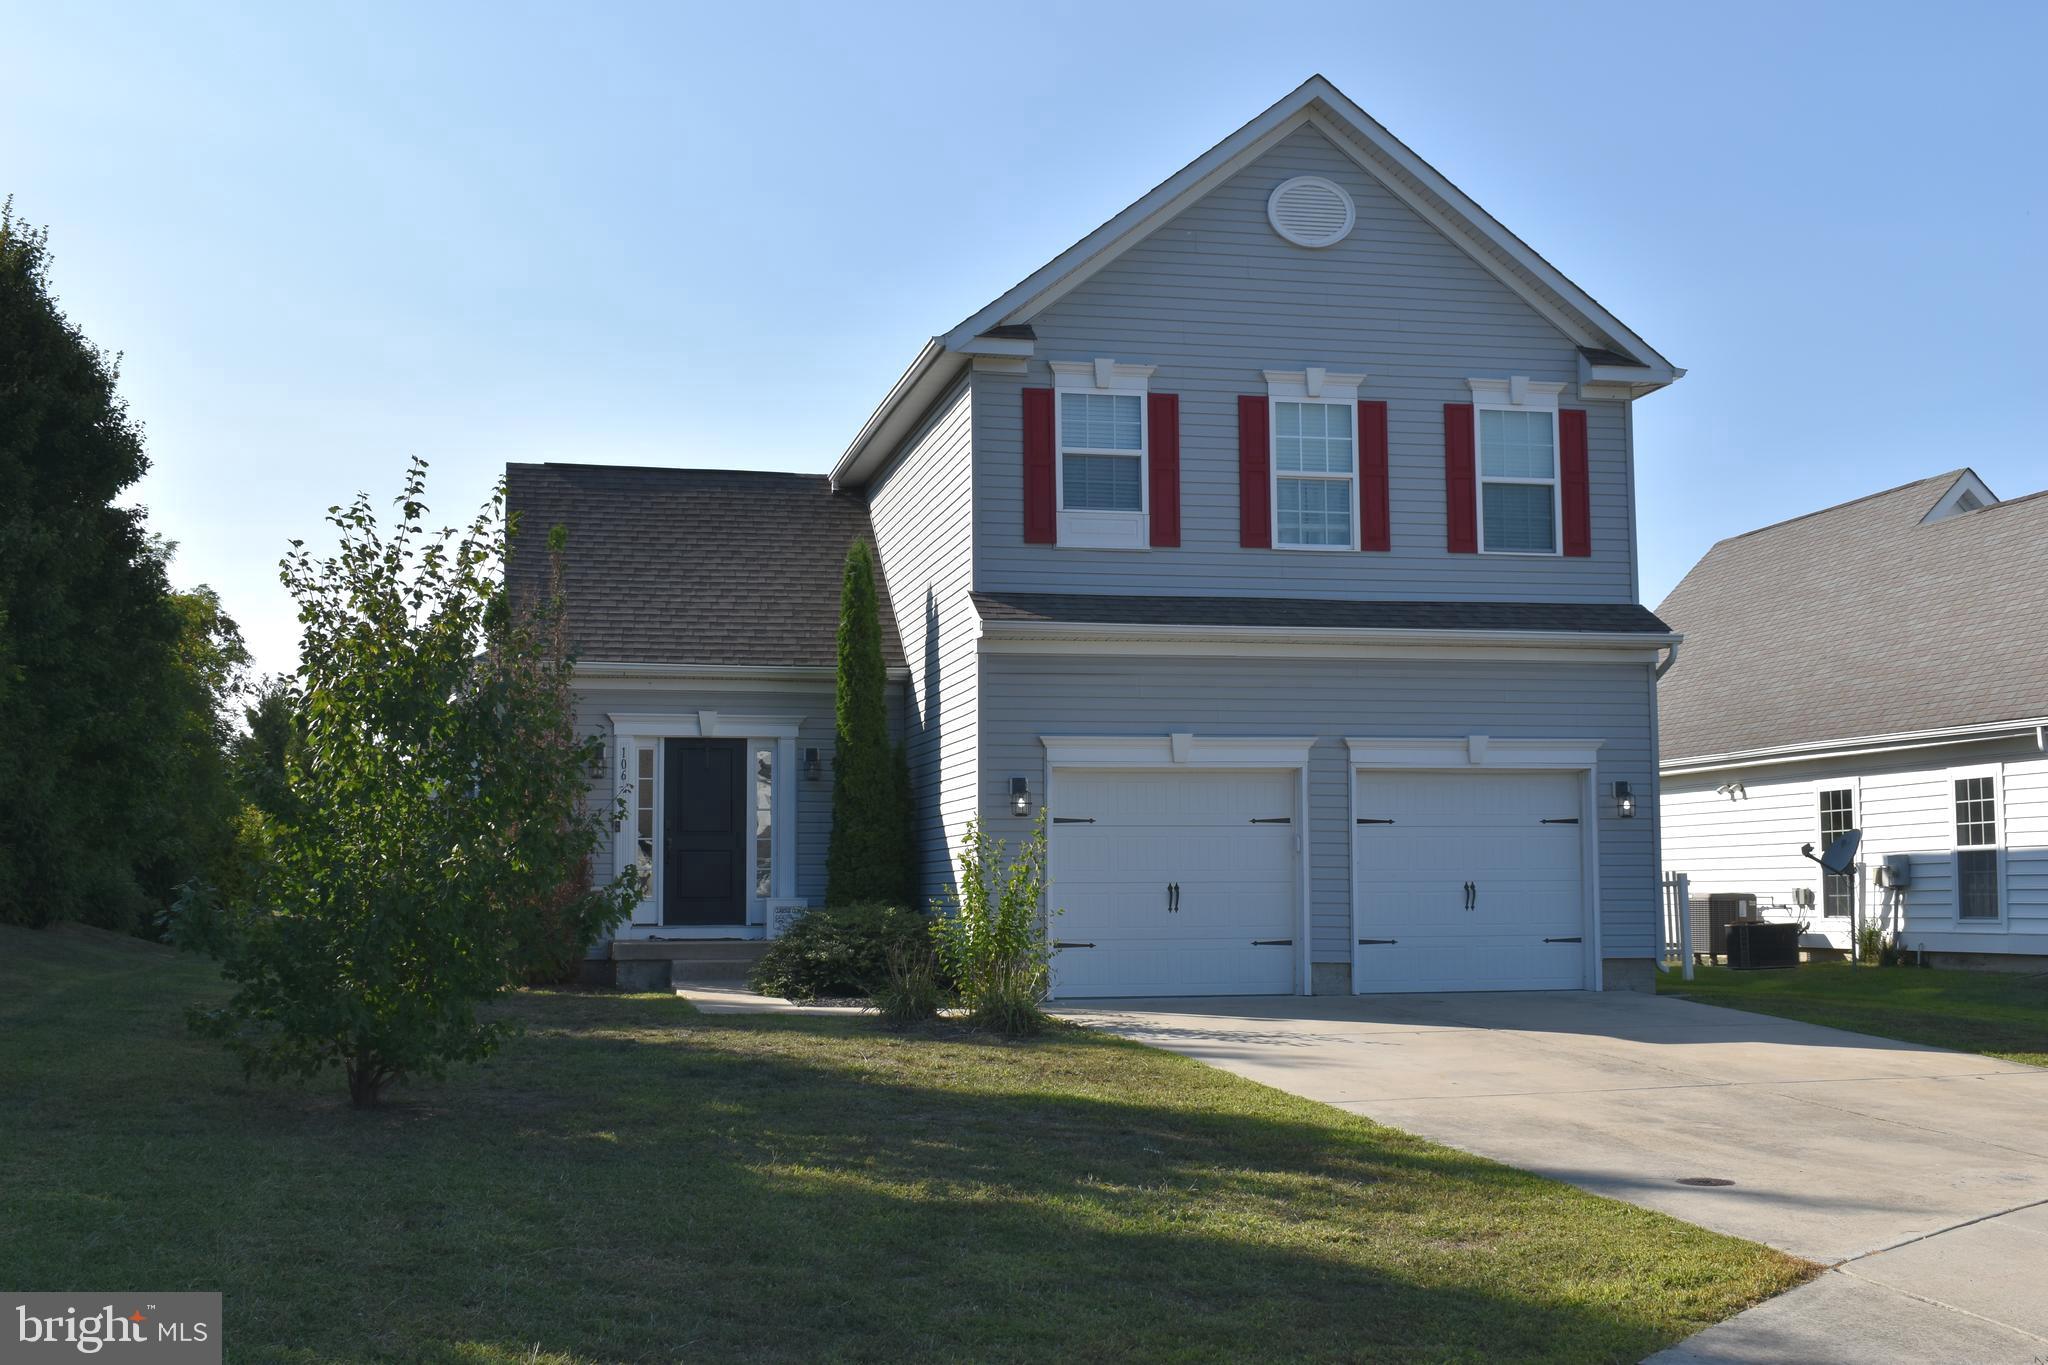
(704, 836)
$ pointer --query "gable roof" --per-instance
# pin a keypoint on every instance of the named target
(991, 330)
(1857, 622)
(694, 567)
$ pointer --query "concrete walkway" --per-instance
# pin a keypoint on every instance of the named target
(1920, 1175)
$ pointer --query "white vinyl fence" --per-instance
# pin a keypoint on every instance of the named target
(1677, 947)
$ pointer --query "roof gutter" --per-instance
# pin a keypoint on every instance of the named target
(890, 421)
(1857, 746)
(1669, 659)
(1097, 630)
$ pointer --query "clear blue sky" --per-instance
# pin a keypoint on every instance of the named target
(329, 237)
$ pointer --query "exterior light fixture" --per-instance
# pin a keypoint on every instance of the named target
(1624, 801)
(812, 768)
(1020, 797)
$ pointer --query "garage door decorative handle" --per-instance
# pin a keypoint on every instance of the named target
(1471, 895)
(1573, 939)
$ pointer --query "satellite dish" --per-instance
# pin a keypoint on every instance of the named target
(1840, 856)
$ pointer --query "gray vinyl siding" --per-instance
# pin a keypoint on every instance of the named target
(924, 530)
(811, 704)
(1213, 299)
(1025, 696)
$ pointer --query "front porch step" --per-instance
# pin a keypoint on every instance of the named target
(658, 964)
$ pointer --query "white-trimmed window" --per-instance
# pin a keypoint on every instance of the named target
(1101, 473)
(1977, 847)
(1314, 443)
(764, 821)
(1837, 817)
(1520, 507)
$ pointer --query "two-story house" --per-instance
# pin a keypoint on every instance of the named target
(1277, 539)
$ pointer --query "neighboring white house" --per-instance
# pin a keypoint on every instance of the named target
(1877, 666)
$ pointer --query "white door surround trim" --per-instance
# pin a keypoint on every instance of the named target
(1184, 749)
(1478, 753)
(631, 729)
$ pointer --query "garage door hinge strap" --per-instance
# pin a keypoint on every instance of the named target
(1073, 819)
(1371, 820)
(1563, 820)
(1573, 939)
(1058, 943)
(1272, 943)
(1272, 819)
(1379, 940)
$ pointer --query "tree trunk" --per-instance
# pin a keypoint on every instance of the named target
(365, 1085)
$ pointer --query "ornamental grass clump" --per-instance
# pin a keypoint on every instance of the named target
(993, 941)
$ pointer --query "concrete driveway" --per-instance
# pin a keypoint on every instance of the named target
(1920, 1175)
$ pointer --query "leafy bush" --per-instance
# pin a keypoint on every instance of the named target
(840, 951)
(912, 992)
(994, 943)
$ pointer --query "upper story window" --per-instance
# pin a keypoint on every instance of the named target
(1314, 461)
(1977, 847)
(1101, 471)
(1837, 817)
(1315, 458)
(1519, 508)
(1102, 452)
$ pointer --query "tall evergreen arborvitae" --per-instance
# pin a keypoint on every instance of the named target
(869, 858)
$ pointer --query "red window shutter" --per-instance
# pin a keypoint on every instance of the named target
(1375, 522)
(1574, 482)
(1461, 487)
(1041, 517)
(1162, 436)
(1254, 474)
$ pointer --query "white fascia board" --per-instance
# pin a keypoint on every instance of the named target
(992, 632)
(1858, 746)
(916, 389)
(697, 675)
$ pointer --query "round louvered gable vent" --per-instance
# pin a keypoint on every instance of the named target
(1311, 211)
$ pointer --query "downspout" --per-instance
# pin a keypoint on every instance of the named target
(1669, 659)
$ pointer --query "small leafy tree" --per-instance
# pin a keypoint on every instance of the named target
(869, 859)
(435, 800)
(993, 941)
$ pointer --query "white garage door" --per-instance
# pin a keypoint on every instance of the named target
(1469, 882)
(1174, 883)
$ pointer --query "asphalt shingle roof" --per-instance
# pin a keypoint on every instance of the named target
(693, 566)
(1860, 621)
(1314, 613)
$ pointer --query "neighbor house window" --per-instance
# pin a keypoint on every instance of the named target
(764, 822)
(1102, 452)
(1837, 817)
(1315, 457)
(1518, 480)
(1976, 848)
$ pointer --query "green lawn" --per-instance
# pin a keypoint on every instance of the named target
(631, 1181)
(1995, 1013)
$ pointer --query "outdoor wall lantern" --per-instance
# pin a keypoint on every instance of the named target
(1020, 797)
(1624, 801)
(812, 768)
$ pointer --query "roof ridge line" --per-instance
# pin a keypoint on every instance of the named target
(1867, 497)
